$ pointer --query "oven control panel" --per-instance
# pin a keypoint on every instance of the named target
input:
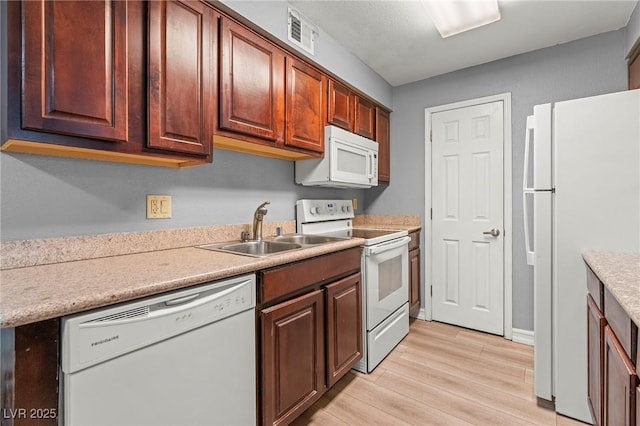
(323, 210)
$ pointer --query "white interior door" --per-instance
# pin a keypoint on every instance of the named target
(468, 219)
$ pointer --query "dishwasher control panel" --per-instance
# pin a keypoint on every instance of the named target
(90, 338)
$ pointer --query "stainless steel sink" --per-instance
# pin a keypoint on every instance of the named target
(273, 245)
(253, 248)
(307, 239)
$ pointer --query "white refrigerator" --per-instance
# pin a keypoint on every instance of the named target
(581, 192)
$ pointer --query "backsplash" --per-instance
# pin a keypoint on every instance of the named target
(23, 253)
(386, 220)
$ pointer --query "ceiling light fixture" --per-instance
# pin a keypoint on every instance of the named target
(456, 16)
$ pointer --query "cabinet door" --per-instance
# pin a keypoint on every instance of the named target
(634, 69)
(414, 282)
(305, 105)
(619, 383)
(595, 357)
(293, 373)
(340, 106)
(344, 327)
(252, 78)
(182, 69)
(75, 68)
(365, 118)
(383, 137)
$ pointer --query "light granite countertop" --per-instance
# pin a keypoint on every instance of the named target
(405, 223)
(50, 278)
(36, 293)
(620, 273)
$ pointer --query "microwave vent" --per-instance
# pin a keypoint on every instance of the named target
(300, 31)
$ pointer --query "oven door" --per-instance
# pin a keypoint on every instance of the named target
(386, 278)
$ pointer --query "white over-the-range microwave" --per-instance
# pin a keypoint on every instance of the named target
(350, 161)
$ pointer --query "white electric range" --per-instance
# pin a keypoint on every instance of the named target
(385, 273)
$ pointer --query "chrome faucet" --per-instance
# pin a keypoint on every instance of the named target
(257, 220)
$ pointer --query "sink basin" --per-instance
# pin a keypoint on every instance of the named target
(307, 239)
(254, 248)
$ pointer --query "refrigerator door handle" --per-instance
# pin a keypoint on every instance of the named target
(527, 143)
(531, 255)
(527, 189)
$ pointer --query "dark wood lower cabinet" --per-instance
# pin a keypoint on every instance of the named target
(29, 368)
(296, 366)
(292, 357)
(611, 348)
(344, 327)
(620, 383)
(596, 323)
(414, 274)
(414, 282)
(309, 329)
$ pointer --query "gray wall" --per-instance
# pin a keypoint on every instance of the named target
(582, 68)
(633, 29)
(46, 197)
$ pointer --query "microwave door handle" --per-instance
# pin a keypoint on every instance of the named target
(527, 144)
(370, 165)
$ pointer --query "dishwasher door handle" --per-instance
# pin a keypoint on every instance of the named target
(181, 300)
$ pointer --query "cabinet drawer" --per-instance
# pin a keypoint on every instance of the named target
(595, 288)
(415, 240)
(621, 324)
(290, 279)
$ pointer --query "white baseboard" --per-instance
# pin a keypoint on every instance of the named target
(423, 316)
(523, 336)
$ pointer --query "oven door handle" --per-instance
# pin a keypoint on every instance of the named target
(380, 248)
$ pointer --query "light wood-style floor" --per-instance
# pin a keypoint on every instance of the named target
(440, 375)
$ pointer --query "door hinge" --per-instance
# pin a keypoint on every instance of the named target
(431, 213)
(431, 291)
(430, 135)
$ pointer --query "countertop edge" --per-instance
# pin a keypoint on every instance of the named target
(620, 274)
(23, 313)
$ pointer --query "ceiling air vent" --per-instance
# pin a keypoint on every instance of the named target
(301, 32)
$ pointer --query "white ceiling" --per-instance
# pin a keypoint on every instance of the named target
(397, 39)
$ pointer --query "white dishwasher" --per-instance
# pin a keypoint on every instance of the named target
(182, 358)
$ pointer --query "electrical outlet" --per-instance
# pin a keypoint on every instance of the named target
(158, 206)
(355, 204)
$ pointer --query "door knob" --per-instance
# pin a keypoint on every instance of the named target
(494, 232)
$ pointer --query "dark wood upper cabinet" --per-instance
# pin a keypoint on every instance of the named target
(75, 68)
(344, 327)
(98, 80)
(365, 118)
(383, 137)
(340, 106)
(306, 103)
(182, 75)
(252, 81)
(634, 67)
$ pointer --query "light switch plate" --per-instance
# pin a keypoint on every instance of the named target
(158, 206)
(355, 203)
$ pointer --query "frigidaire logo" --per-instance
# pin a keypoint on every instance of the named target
(107, 340)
